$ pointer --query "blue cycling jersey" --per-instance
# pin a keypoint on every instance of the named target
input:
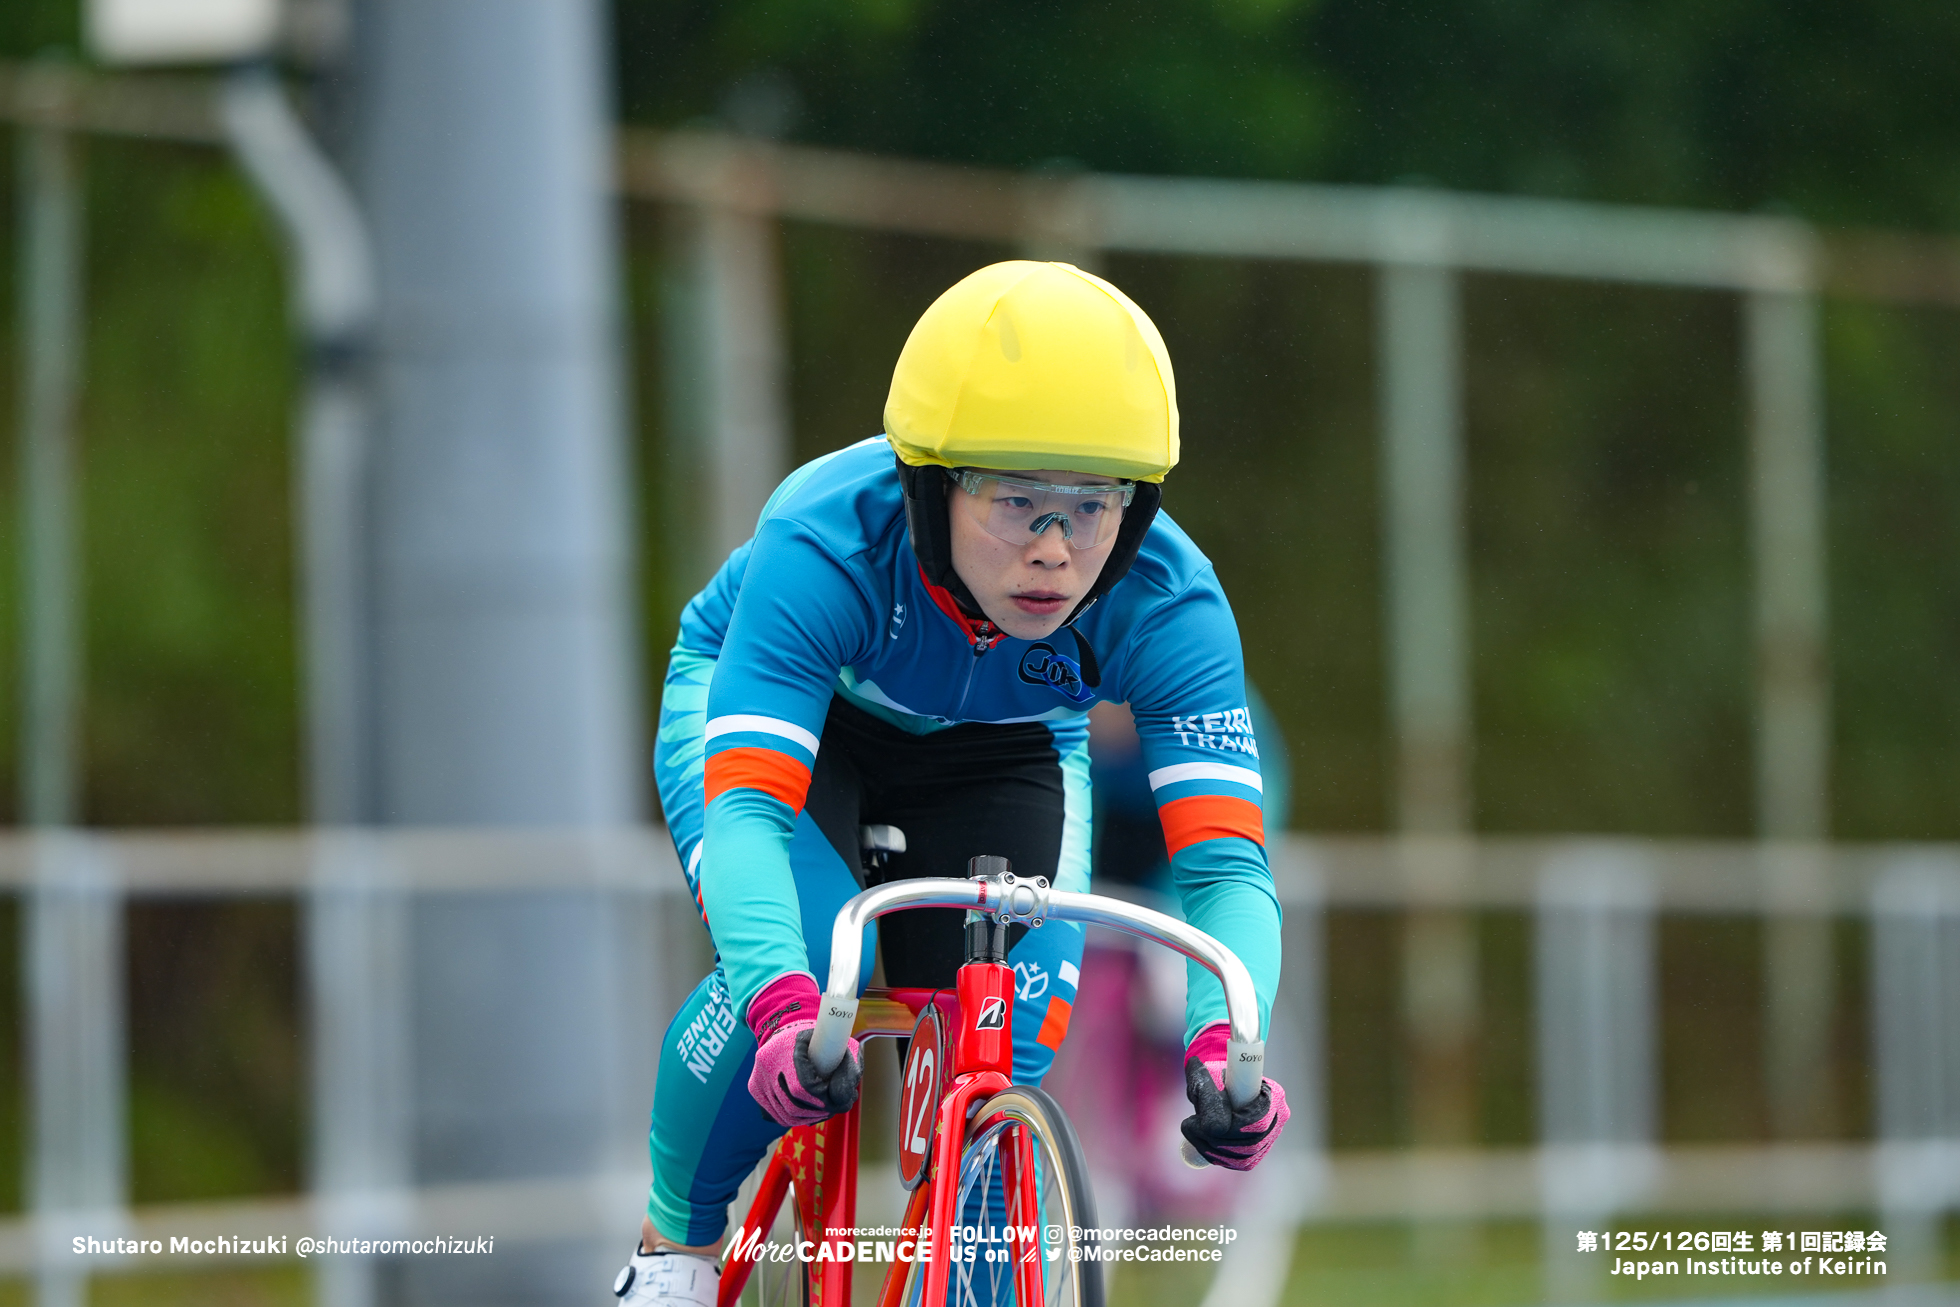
(829, 599)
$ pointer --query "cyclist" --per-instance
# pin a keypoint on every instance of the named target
(919, 646)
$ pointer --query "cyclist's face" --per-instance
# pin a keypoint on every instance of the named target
(1027, 589)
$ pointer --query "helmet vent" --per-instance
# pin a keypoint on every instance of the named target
(1010, 340)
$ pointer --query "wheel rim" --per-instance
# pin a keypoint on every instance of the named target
(980, 1202)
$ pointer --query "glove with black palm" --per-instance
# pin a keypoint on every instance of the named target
(785, 1082)
(1232, 1137)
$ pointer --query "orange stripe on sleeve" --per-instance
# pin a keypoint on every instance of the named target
(1054, 1026)
(1209, 817)
(777, 775)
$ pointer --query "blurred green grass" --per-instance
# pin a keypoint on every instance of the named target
(255, 1286)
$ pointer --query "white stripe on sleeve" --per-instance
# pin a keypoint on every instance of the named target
(1198, 771)
(763, 725)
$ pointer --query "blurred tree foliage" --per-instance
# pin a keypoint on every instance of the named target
(1607, 519)
(1841, 112)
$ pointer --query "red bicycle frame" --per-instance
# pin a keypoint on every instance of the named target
(819, 1163)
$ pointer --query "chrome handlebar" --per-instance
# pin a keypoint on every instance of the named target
(1031, 901)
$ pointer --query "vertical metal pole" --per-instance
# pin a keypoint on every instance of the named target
(333, 281)
(72, 926)
(1793, 697)
(726, 359)
(1419, 325)
(505, 671)
(748, 447)
(1595, 1002)
(1915, 960)
(50, 317)
(356, 929)
(330, 489)
(688, 529)
(74, 954)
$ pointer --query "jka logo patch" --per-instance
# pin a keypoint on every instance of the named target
(1041, 665)
(993, 1014)
(1034, 981)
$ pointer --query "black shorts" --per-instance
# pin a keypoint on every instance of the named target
(958, 793)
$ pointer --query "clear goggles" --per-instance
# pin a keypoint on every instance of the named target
(1017, 511)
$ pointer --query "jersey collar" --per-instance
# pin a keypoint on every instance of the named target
(980, 633)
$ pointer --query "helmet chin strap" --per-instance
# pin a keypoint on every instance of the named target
(928, 522)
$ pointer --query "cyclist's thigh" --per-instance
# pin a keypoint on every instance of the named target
(1047, 963)
(967, 791)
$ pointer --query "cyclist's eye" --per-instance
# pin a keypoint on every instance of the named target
(1016, 503)
(1091, 507)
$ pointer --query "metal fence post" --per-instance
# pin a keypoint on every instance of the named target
(1595, 998)
(50, 310)
(1787, 503)
(744, 432)
(74, 954)
(1915, 959)
(71, 925)
(333, 278)
(360, 1000)
(1419, 326)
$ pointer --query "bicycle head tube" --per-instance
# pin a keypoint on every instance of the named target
(985, 1040)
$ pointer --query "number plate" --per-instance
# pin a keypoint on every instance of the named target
(918, 1099)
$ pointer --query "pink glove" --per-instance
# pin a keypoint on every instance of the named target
(1235, 1138)
(785, 1082)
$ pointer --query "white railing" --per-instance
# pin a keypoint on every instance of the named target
(1594, 902)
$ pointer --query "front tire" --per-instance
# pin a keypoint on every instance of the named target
(1064, 1203)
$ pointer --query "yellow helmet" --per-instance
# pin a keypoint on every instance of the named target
(1026, 365)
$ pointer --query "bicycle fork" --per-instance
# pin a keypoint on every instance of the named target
(983, 1064)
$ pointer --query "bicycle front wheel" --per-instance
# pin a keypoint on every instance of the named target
(998, 1234)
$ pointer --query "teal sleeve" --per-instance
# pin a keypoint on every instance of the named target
(1227, 892)
(747, 837)
(1185, 677)
(800, 615)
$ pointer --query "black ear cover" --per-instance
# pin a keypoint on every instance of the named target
(926, 519)
(928, 522)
